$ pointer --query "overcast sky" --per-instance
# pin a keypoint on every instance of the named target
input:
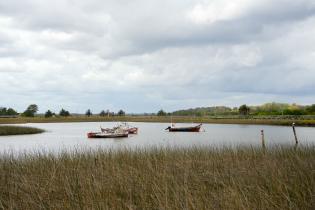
(144, 55)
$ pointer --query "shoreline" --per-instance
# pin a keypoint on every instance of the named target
(159, 119)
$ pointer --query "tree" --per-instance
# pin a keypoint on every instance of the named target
(64, 113)
(244, 110)
(33, 108)
(311, 109)
(103, 113)
(11, 111)
(3, 111)
(121, 113)
(161, 113)
(49, 114)
(88, 113)
(292, 112)
(30, 111)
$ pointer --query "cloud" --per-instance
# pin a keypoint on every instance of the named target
(147, 55)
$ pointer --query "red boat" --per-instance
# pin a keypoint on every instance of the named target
(184, 129)
(133, 130)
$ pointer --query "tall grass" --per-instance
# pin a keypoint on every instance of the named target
(195, 178)
(18, 130)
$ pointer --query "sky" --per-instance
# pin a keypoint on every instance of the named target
(145, 55)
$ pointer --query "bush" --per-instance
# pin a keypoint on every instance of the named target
(161, 113)
(49, 114)
(121, 113)
(244, 110)
(88, 113)
(64, 113)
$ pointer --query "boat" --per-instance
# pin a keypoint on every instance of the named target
(133, 130)
(184, 129)
(109, 133)
(127, 127)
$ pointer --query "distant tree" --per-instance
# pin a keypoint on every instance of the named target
(88, 113)
(30, 111)
(292, 112)
(49, 114)
(33, 108)
(11, 111)
(161, 113)
(3, 110)
(103, 113)
(64, 113)
(27, 113)
(199, 114)
(311, 109)
(121, 113)
(244, 110)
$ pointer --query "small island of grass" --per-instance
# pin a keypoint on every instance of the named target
(18, 130)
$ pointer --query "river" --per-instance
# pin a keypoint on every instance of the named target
(72, 136)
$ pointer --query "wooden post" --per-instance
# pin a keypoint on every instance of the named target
(263, 139)
(294, 132)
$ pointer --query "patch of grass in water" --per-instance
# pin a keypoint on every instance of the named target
(18, 130)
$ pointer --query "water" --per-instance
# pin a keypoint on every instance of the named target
(72, 136)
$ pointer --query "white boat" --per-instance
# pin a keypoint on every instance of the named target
(124, 126)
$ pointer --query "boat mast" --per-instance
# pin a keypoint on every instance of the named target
(172, 121)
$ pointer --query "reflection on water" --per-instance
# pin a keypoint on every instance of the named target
(72, 136)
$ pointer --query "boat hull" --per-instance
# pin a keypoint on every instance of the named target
(133, 130)
(106, 135)
(185, 129)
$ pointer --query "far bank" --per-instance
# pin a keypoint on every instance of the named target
(255, 120)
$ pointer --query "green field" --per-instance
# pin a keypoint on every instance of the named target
(195, 178)
(18, 130)
(300, 121)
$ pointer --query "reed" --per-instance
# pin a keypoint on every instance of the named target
(193, 178)
(18, 130)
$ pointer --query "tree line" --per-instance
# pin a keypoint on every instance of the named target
(265, 109)
(32, 110)
(88, 113)
(7, 111)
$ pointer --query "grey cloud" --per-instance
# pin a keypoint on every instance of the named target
(152, 55)
(129, 29)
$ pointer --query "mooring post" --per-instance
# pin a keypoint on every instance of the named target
(294, 132)
(263, 139)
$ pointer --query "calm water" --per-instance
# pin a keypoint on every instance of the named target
(72, 136)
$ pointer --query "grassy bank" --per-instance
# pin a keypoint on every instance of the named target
(166, 119)
(18, 130)
(244, 178)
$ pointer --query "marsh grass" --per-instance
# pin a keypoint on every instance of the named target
(18, 130)
(195, 178)
(165, 119)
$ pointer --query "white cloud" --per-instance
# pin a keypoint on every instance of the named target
(209, 12)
